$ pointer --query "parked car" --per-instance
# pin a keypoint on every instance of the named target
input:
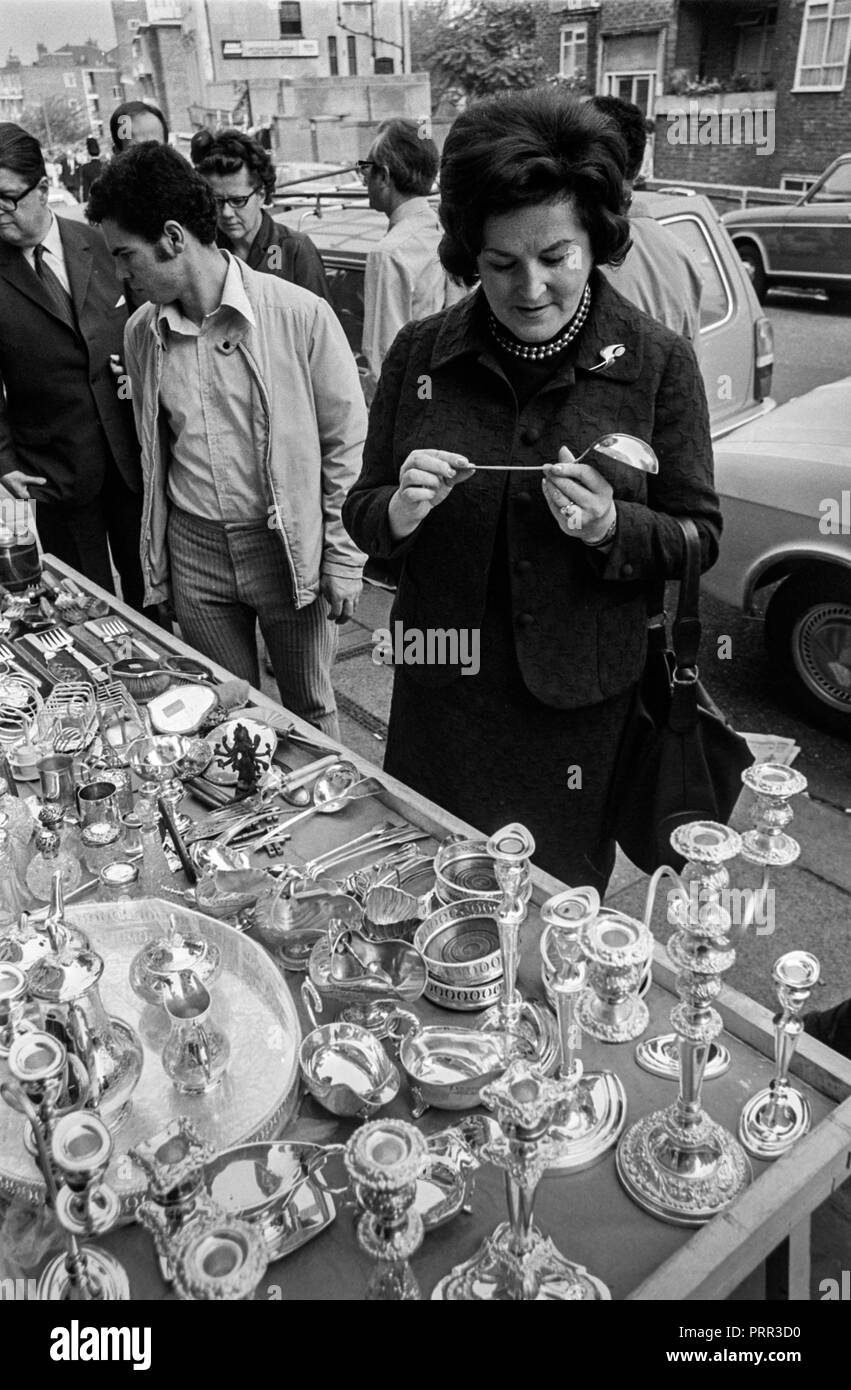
(785, 486)
(807, 243)
(62, 201)
(736, 346)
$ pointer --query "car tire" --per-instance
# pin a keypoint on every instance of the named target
(752, 260)
(808, 636)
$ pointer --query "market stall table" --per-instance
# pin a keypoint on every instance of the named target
(587, 1214)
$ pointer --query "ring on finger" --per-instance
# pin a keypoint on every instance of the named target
(569, 510)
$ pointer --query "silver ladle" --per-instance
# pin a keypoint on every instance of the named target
(341, 784)
(623, 448)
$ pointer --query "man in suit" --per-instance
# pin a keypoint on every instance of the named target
(67, 436)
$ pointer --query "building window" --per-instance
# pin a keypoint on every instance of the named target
(118, 92)
(70, 79)
(333, 58)
(352, 50)
(823, 47)
(573, 51)
(637, 87)
(755, 46)
(289, 20)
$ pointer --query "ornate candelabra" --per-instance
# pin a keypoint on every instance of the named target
(766, 844)
(384, 1159)
(617, 948)
(52, 1082)
(517, 1262)
(528, 1027)
(589, 1122)
(174, 1162)
(777, 1116)
(678, 1163)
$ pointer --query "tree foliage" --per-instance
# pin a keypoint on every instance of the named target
(55, 122)
(485, 49)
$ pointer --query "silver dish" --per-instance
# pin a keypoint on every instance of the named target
(291, 926)
(281, 1188)
(460, 943)
(367, 970)
(448, 1067)
(347, 1070)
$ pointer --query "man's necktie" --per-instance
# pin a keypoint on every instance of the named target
(55, 288)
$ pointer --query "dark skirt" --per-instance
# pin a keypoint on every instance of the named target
(487, 751)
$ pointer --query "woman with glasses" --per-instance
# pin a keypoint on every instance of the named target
(242, 177)
(518, 632)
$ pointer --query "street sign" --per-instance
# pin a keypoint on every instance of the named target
(270, 48)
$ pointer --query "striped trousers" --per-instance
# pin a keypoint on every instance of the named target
(228, 576)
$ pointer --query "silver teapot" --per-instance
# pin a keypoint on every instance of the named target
(64, 982)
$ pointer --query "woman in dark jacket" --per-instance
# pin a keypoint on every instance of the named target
(242, 177)
(519, 627)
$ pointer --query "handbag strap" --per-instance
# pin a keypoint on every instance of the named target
(686, 629)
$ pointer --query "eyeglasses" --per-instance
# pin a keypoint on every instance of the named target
(9, 201)
(236, 201)
(363, 166)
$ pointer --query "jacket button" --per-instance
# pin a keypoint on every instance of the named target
(523, 566)
(627, 572)
(530, 435)
(522, 499)
(525, 619)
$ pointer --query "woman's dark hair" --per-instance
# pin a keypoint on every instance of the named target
(92, 147)
(227, 151)
(409, 156)
(149, 185)
(124, 114)
(20, 153)
(523, 148)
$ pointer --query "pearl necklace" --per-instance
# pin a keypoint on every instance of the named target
(539, 352)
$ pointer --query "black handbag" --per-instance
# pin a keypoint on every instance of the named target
(679, 760)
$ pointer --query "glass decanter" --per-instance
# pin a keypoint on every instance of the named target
(14, 898)
(21, 824)
(50, 857)
(154, 872)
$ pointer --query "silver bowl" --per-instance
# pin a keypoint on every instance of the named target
(448, 1067)
(347, 1070)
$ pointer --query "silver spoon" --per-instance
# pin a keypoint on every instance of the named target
(623, 448)
(331, 792)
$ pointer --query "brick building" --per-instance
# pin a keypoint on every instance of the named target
(741, 91)
(82, 78)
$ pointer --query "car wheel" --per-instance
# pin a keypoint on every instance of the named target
(752, 261)
(808, 636)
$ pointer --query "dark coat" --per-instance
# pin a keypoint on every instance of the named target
(290, 255)
(579, 617)
(62, 418)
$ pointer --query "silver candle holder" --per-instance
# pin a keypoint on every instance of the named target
(384, 1159)
(766, 844)
(527, 1027)
(678, 1163)
(617, 949)
(590, 1121)
(517, 1262)
(779, 1115)
(174, 1162)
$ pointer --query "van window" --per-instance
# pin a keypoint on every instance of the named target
(345, 284)
(715, 304)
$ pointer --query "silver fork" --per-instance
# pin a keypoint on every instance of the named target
(52, 643)
(112, 629)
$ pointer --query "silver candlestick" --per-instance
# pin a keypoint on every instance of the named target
(766, 844)
(590, 1120)
(384, 1159)
(678, 1163)
(81, 1149)
(527, 1027)
(517, 1262)
(174, 1161)
(777, 1116)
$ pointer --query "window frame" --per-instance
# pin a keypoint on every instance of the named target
(352, 55)
(333, 56)
(285, 27)
(572, 29)
(798, 85)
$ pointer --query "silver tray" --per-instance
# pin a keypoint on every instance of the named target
(251, 1002)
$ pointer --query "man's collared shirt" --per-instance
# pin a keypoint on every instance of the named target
(659, 275)
(55, 254)
(404, 279)
(208, 394)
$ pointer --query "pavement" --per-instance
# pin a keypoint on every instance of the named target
(810, 905)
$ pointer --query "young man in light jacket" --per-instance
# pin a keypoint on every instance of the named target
(251, 422)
